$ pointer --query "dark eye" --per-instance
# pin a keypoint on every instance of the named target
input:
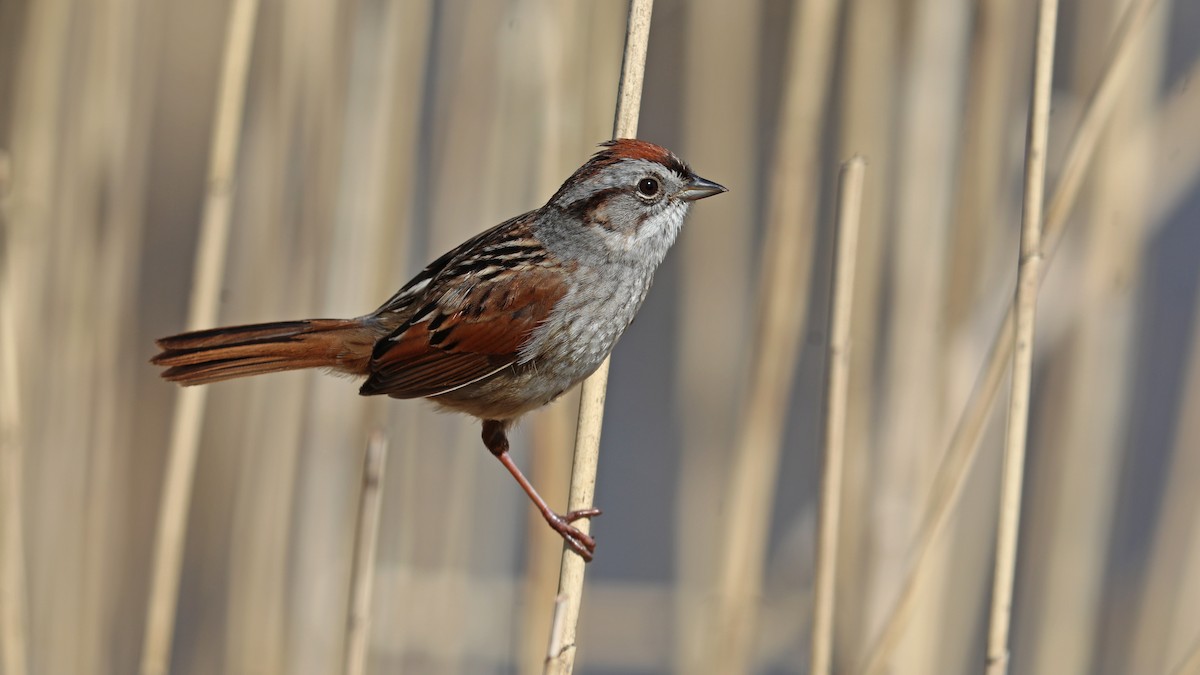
(648, 187)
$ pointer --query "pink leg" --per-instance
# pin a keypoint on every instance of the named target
(496, 440)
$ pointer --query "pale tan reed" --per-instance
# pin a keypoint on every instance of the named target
(869, 96)
(787, 256)
(203, 306)
(117, 92)
(1029, 278)
(34, 240)
(1090, 381)
(366, 538)
(980, 235)
(591, 399)
(559, 27)
(341, 113)
(404, 58)
(377, 134)
(909, 421)
(13, 589)
(552, 665)
(580, 79)
(837, 383)
(962, 448)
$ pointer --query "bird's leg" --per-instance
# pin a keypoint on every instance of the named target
(496, 440)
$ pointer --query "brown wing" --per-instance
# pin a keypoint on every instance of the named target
(460, 336)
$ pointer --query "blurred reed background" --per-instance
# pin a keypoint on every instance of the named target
(378, 133)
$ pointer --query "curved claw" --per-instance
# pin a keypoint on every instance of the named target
(579, 541)
(582, 513)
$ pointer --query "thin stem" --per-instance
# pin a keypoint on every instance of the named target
(1028, 280)
(555, 647)
(14, 634)
(370, 501)
(960, 454)
(781, 314)
(591, 402)
(837, 381)
(206, 286)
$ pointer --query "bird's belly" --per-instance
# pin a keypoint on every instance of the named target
(562, 352)
(584, 329)
(509, 393)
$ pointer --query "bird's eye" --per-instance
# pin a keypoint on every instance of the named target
(648, 187)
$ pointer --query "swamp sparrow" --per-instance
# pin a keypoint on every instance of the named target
(502, 324)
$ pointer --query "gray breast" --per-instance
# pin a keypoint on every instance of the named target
(588, 320)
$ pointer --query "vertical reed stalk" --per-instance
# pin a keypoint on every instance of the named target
(782, 311)
(366, 537)
(555, 647)
(837, 382)
(977, 266)
(13, 584)
(591, 401)
(869, 96)
(961, 450)
(1028, 280)
(560, 33)
(932, 67)
(1091, 404)
(409, 43)
(206, 285)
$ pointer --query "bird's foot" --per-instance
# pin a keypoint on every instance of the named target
(577, 539)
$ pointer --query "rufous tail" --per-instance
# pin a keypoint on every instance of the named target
(205, 356)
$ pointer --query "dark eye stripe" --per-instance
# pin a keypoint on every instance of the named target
(583, 207)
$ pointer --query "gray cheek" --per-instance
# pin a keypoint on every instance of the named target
(571, 240)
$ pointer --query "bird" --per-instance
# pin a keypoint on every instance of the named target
(500, 325)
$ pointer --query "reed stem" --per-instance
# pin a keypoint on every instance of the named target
(960, 454)
(170, 535)
(370, 502)
(1028, 281)
(837, 383)
(591, 402)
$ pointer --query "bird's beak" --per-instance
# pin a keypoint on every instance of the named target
(699, 188)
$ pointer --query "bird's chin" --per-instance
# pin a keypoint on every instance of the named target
(649, 243)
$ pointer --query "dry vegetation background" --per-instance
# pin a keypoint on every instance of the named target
(378, 133)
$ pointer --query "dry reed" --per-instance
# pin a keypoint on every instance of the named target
(963, 445)
(591, 398)
(783, 289)
(1088, 387)
(377, 135)
(550, 665)
(13, 590)
(1029, 278)
(366, 537)
(837, 378)
(563, 77)
(867, 106)
(203, 306)
(932, 63)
